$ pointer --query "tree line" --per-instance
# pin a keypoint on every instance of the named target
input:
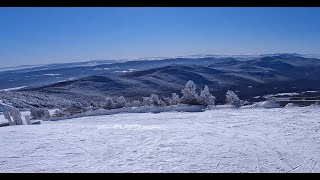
(189, 96)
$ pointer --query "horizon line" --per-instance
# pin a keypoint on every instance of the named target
(157, 58)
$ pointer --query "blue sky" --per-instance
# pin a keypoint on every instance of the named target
(55, 35)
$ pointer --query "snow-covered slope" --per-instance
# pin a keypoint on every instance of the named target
(217, 140)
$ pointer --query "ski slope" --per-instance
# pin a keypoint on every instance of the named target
(218, 140)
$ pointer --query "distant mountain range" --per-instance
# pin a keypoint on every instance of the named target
(40, 75)
(249, 77)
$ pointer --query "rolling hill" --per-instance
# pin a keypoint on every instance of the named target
(250, 78)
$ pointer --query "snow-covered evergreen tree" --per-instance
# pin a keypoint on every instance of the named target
(75, 108)
(128, 104)
(37, 113)
(167, 101)
(154, 100)
(146, 101)
(175, 99)
(189, 94)
(233, 99)
(136, 103)
(121, 102)
(206, 98)
(95, 105)
(109, 104)
(162, 103)
(58, 113)
(46, 113)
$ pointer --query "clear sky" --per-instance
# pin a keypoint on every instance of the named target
(55, 35)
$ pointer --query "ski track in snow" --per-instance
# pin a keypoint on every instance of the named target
(220, 140)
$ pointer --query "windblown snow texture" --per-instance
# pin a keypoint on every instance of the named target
(223, 139)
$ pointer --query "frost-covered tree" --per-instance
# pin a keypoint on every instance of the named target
(95, 105)
(233, 99)
(46, 113)
(245, 102)
(145, 101)
(58, 113)
(206, 98)
(27, 100)
(99, 104)
(37, 113)
(189, 94)
(167, 101)
(128, 104)
(154, 100)
(269, 103)
(136, 103)
(121, 102)
(175, 99)
(162, 103)
(109, 104)
(16, 116)
(75, 108)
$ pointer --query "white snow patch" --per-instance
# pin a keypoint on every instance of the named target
(100, 69)
(18, 68)
(267, 104)
(52, 74)
(88, 64)
(51, 111)
(281, 94)
(12, 89)
(290, 105)
(121, 71)
(310, 92)
(69, 79)
(31, 76)
(287, 94)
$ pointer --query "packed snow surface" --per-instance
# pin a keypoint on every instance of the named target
(222, 139)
